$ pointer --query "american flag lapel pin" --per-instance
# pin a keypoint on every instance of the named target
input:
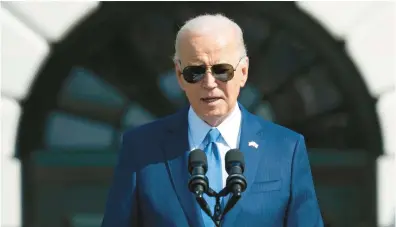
(253, 144)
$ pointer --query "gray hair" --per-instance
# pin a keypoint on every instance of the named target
(207, 23)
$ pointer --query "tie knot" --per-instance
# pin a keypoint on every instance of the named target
(213, 135)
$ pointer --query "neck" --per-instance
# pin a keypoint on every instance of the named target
(215, 121)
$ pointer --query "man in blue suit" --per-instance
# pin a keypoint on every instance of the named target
(150, 185)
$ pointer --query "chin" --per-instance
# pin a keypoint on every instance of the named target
(212, 111)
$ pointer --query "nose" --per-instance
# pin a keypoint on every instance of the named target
(209, 81)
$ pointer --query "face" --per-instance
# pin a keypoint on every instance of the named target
(211, 98)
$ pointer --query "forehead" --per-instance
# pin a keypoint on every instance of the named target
(207, 49)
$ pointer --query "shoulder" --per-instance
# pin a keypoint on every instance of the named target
(277, 131)
(269, 128)
(154, 129)
(281, 142)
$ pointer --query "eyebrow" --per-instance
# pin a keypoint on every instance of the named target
(195, 63)
(198, 62)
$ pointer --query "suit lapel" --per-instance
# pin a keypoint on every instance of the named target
(250, 145)
(176, 147)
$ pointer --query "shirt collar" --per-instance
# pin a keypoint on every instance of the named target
(229, 128)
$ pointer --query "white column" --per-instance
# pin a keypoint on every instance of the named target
(10, 166)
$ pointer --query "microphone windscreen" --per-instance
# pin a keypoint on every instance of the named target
(197, 157)
(235, 156)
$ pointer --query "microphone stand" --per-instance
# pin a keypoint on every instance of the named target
(217, 211)
(219, 214)
(235, 184)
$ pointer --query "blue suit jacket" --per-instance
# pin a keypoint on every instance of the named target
(150, 181)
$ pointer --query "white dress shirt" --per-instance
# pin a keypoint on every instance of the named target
(229, 130)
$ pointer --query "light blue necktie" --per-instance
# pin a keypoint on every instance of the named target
(214, 171)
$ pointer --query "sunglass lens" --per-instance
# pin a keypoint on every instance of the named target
(193, 74)
(223, 72)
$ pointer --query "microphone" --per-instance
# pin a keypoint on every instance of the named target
(236, 182)
(235, 166)
(197, 167)
(198, 183)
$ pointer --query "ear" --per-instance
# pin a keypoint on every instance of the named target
(179, 75)
(244, 71)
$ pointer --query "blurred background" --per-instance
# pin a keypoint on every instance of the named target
(75, 75)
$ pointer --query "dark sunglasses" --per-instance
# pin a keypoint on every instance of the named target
(195, 73)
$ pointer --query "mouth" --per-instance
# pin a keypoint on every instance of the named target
(210, 99)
